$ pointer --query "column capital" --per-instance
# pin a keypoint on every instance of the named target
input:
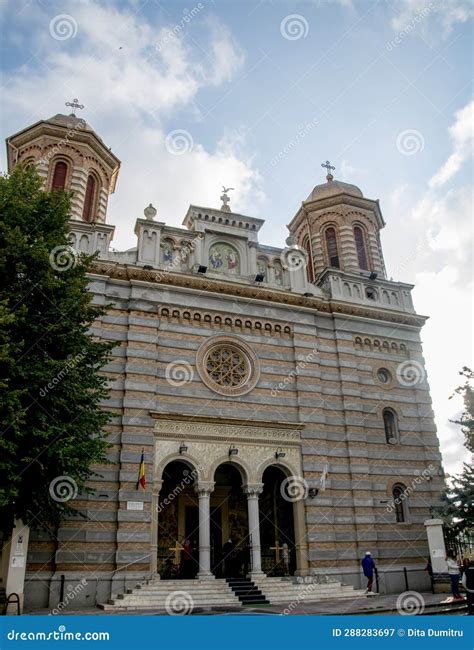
(204, 488)
(253, 489)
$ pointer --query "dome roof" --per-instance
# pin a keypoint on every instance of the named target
(333, 188)
(69, 121)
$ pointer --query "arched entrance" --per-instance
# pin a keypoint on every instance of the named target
(229, 524)
(178, 522)
(277, 529)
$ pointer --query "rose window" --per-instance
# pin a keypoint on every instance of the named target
(227, 366)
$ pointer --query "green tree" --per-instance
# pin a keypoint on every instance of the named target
(466, 421)
(458, 501)
(51, 389)
(458, 498)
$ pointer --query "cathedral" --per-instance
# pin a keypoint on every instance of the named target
(272, 401)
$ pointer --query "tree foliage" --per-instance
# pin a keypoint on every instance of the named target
(50, 388)
(466, 421)
(458, 498)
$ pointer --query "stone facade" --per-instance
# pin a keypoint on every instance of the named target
(328, 385)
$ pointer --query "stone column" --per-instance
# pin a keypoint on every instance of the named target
(301, 540)
(253, 491)
(204, 491)
(434, 531)
(155, 517)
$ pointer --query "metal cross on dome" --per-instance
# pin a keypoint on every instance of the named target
(328, 166)
(75, 105)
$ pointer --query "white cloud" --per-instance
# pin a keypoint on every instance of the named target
(462, 134)
(138, 81)
(445, 13)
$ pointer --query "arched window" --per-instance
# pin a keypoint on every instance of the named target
(331, 246)
(59, 176)
(309, 253)
(399, 505)
(87, 211)
(360, 247)
(390, 425)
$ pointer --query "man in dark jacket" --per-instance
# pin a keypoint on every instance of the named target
(368, 566)
(468, 583)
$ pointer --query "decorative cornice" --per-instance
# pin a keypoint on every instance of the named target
(227, 431)
(213, 285)
(209, 419)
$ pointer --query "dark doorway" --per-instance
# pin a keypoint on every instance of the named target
(277, 533)
(216, 542)
(177, 488)
(231, 559)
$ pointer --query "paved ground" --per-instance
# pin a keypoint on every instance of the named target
(359, 605)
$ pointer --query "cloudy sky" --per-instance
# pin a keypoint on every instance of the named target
(256, 94)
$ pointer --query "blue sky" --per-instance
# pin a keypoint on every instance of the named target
(264, 92)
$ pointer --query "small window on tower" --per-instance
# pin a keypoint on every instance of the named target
(87, 212)
(59, 176)
(360, 247)
(331, 245)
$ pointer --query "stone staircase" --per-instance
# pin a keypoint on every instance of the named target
(247, 591)
(287, 591)
(186, 596)
(175, 596)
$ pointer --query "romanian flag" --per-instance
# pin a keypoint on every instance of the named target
(141, 472)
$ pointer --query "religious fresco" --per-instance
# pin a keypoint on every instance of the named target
(223, 258)
(262, 267)
(167, 251)
(278, 272)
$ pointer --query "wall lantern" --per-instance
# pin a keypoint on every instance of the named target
(233, 451)
(183, 448)
(279, 453)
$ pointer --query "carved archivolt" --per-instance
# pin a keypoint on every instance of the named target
(220, 321)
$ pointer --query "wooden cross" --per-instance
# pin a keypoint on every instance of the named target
(74, 105)
(277, 548)
(328, 166)
(177, 549)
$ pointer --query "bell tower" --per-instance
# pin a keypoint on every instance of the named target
(69, 156)
(339, 228)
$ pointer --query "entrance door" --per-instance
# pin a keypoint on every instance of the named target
(216, 542)
(191, 532)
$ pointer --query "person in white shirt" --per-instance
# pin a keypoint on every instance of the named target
(453, 570)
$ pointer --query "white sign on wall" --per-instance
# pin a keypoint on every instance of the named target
(134, 505)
